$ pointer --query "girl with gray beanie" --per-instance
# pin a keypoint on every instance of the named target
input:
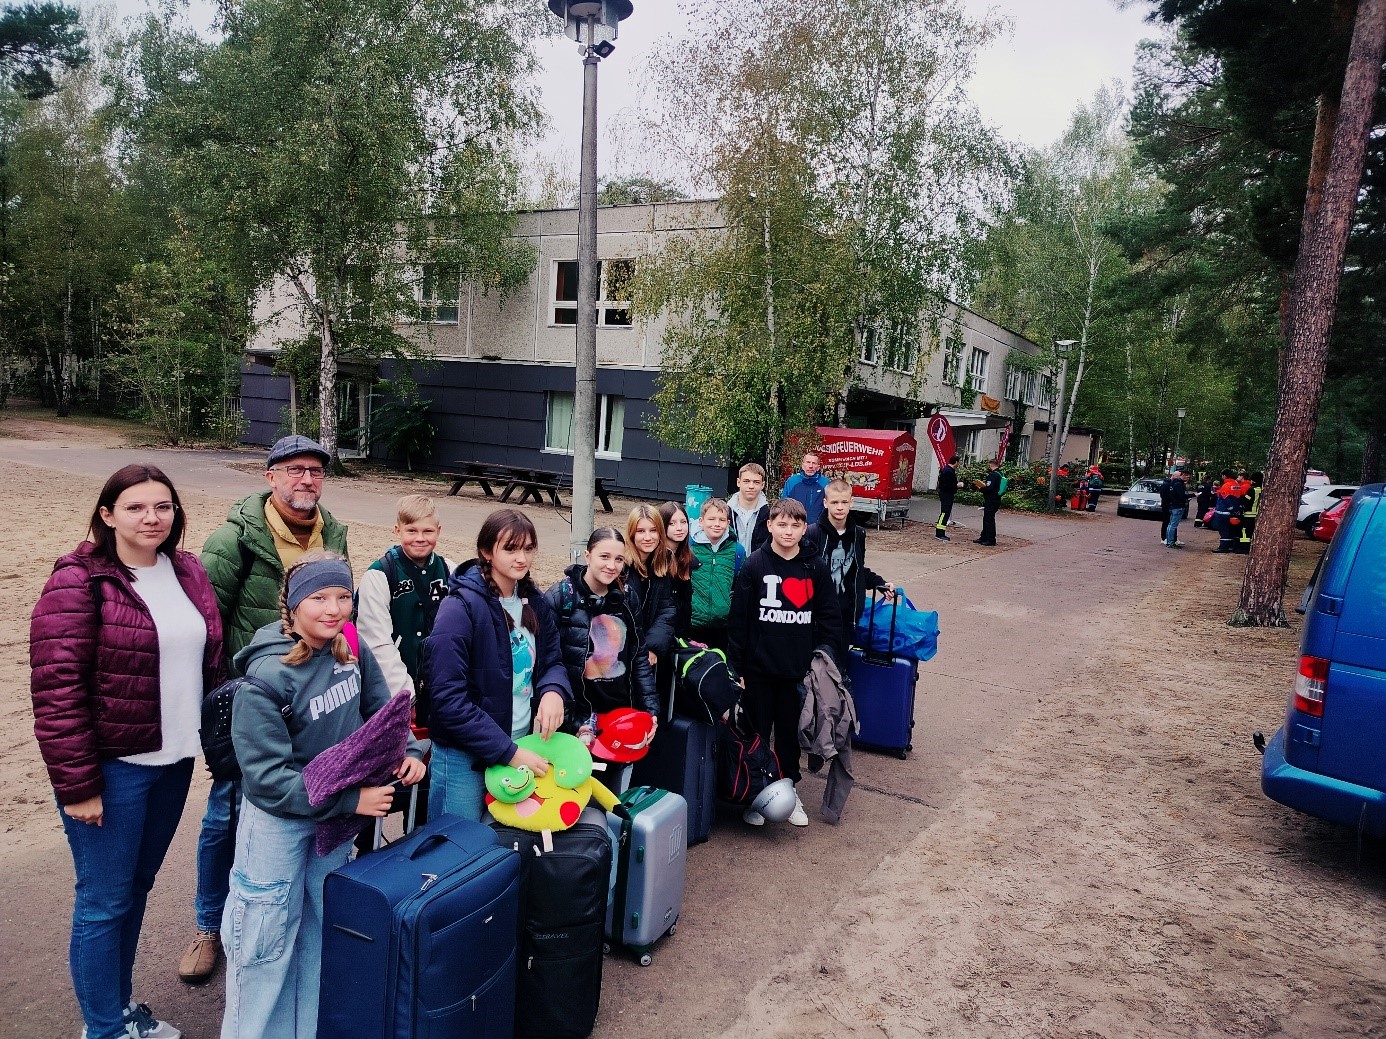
(310, 693)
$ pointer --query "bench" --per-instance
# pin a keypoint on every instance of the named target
(533, 484)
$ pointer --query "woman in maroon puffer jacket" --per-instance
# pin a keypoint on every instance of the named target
(123, 642)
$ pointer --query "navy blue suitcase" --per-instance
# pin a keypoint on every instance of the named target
(683, 760)
(419, 938)
(883, 692)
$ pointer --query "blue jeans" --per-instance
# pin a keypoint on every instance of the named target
(216, 847)
(115, 864)
(455, 787)
(272, 927)
(1172, 529)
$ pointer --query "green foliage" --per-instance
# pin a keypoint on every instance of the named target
(34, 40)
(638, 191)
(849, 177)
(399, 421)
(178, 346)
(341, 147)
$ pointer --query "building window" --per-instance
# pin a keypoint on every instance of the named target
(977, 369)
(1022, 449)
(969, 445)
(613, 292)
(611, 424)
(1015, 381)
(439, 289)
(868, 346)
(952, 364)
(1032, 389)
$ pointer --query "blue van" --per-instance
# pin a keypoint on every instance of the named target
(1329, 759)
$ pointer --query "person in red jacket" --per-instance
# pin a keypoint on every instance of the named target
(123, 642)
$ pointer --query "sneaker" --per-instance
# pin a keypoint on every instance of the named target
(1179, 544)
(798, 817)
(942, 537)
(200, 958)
(752, 818)
(140, 1023)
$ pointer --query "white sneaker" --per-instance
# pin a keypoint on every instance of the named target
(140, 1023)
(752, 818)
(798, 817)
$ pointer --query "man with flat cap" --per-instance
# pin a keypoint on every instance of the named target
(264, 534)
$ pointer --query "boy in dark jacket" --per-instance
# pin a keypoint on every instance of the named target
(782, 610)
(947, 491)
(840, 542)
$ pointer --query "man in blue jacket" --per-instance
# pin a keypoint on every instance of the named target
(807, 486)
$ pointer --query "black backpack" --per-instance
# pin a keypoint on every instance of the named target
(745, 764)
(704, 688)
(217, 747)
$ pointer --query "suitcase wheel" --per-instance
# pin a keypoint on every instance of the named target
(674, 928)
(606, 948)
(903, 754)
(646, 959)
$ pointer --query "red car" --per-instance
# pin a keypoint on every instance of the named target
(1327, 525)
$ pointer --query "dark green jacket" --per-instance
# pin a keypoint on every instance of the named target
(241, 560)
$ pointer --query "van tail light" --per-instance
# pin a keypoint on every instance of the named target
(1310, 685)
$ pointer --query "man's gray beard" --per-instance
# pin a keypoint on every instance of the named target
(302, 502)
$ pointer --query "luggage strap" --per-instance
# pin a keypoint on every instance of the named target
(869, 651)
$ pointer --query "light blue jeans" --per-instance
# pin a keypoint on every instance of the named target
(455, 787)
(1172, 528)
(272, 928)
(116, 864)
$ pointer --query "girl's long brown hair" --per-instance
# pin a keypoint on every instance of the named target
(657, 562)
(302, 652)
(681, 558)
(510, 529)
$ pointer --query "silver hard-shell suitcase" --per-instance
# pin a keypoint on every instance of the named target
(649, 869)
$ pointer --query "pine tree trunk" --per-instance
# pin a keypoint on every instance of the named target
(1318, 271)
(1371, 457)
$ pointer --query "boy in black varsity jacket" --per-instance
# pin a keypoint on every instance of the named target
(783, 608)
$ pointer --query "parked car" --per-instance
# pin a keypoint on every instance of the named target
(1142, 498)
(1316, 500)
(1316, 478)
(1326, 760)
(1327, 525)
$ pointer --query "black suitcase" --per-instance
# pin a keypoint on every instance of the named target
(419, 938)
(563, 899)
(683, 760)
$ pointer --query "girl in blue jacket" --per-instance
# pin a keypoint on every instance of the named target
(492, 670)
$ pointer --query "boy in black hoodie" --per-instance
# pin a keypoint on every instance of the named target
(841, 543)
(783, 608)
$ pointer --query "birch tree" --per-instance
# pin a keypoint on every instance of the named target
(851, 168)
(342, 145)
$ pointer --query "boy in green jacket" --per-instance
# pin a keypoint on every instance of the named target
(720, 557)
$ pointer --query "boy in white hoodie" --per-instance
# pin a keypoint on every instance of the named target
(750, 512)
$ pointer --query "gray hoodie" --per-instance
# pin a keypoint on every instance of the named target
(744, 520)
(320, 703)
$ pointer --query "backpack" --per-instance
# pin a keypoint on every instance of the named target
(745, 765)
(1004, 484)
(217, 747)
(703, 685)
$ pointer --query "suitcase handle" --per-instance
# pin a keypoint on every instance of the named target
(426, 843)
(869, 650)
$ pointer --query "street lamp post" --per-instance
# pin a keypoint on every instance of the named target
(592, 24)
(1178, 434)
(1056, 417)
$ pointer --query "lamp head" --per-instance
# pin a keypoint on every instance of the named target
(1061, 346)
(603, 17)
(1181, 413)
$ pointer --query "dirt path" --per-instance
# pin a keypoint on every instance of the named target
(1060, 857)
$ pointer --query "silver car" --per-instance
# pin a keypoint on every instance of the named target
(1142, 498)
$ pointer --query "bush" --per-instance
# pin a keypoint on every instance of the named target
(1027, 486)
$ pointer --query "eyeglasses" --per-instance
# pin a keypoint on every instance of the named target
(164, 509)
(297, 471)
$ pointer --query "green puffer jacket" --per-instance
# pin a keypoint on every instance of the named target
(244, 567)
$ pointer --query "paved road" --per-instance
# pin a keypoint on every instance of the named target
(1018, 626)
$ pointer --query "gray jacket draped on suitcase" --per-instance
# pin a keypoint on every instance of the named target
(827, 722)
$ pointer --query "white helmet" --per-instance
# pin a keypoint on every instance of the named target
(776, 802)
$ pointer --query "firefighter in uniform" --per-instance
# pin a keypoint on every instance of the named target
(1252, 500)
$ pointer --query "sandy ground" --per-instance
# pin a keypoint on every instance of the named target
(1078, 847)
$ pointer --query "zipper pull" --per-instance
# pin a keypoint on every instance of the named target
(428, 880)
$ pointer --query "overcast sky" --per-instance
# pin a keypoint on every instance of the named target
(1057, 55)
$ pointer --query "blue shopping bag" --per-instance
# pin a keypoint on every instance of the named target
(915, 631)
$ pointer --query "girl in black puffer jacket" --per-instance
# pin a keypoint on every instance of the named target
(599, 634)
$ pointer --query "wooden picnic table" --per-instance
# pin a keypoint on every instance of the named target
(532, 483)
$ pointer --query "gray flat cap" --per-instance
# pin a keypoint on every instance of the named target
(293, 446)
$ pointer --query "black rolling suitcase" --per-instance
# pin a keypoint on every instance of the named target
(563, 899)
(683, 760)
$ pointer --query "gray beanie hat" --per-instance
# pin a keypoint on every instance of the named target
(315, 576)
